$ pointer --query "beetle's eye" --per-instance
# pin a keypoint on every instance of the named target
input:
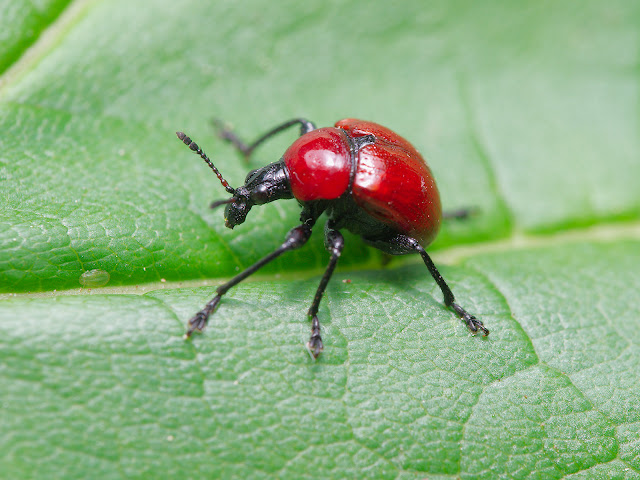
(250, 175)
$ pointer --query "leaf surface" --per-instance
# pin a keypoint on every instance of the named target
(526, 112)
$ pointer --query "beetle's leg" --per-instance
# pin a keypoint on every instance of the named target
(460, 214)
(227, 134)
(449, 300)
(402, 244)
(334, 242)
(296, 238)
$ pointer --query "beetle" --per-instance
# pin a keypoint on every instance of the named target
(366, 178)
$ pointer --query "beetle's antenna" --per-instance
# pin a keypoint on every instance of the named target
(196, 149)
(217, 203)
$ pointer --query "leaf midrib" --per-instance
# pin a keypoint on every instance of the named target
(455, 255)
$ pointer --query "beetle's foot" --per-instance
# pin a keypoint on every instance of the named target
(472, 322)
(314, 345)
(474, 325)
(197, 323)
(199, 320)
(223, 130)
(225, 133)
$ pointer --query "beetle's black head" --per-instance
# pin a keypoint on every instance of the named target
(261, 186)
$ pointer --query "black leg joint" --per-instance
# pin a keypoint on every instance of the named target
(297, 237)
(305, 126)
(333, 241)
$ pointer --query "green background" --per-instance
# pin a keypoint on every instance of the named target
(528, 111)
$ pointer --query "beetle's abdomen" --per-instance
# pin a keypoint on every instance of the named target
(393, 182)
(319, 165)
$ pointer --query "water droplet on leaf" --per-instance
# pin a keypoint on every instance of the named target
(94, 278)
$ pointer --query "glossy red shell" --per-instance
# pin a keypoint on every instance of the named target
(393, 182)
(319, 165)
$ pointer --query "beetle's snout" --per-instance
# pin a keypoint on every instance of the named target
(236, 212)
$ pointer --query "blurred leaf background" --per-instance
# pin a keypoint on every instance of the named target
(526, 110)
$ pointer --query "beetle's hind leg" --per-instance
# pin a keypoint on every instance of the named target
(334, 242)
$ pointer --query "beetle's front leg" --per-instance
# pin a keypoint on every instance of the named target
(296, 238)
(227, 134)
(334, 242)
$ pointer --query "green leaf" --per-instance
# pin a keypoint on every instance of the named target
(21, 24)
(527, 112)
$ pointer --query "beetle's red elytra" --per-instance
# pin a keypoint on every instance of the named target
(366, 178)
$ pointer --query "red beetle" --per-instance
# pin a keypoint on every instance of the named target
(365, 177)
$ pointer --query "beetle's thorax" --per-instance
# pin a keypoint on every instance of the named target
(321, 164)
